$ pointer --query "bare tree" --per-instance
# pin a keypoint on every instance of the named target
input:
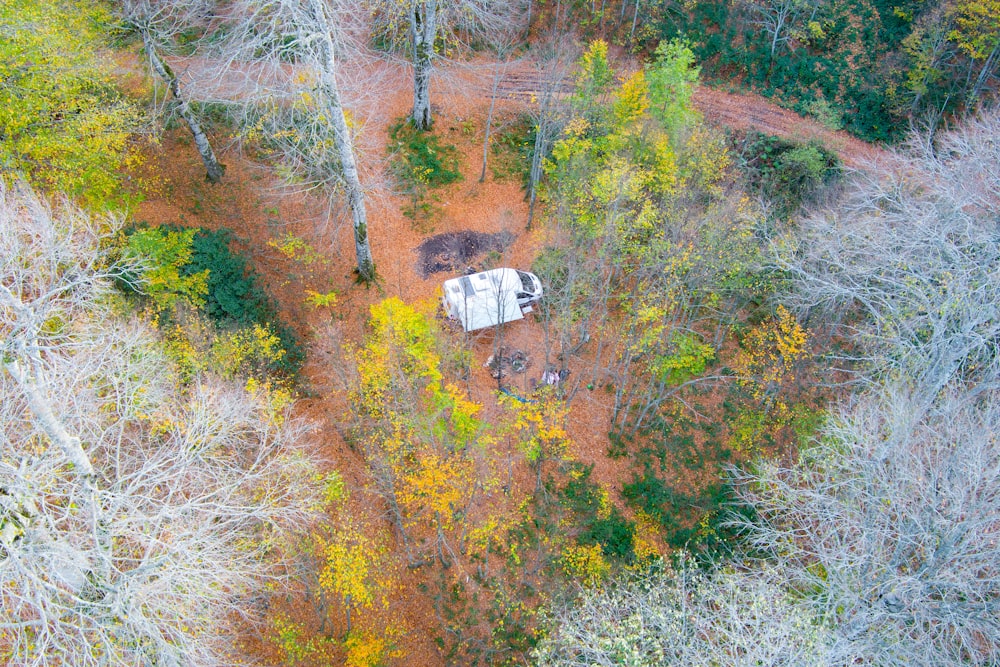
(684, 616)
(136, 520)
(891, 522)
(910, 261)
(503, 44)
(780, 19)
(426, 22)
(284, 57)
(158, 23)
(550, 113)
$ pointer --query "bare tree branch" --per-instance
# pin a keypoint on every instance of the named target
(144, 550)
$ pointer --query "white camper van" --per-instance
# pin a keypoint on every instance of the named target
(491, 297)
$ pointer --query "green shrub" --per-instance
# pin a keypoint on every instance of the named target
(419, 158)
(599, 524)
(420, 162)
(235, 297)
(854, 55)
(674, 511)
(615, 534)
(786, 173)
(197, 266)
(512, 149)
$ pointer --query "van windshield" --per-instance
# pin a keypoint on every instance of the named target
(527, 282)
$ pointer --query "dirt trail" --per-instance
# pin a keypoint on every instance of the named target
(742, 111)
(522, 82)
(747, 111)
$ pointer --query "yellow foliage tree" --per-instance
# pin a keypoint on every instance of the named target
(766, 366)
(770, 353)
(357, 569)
(585, 564)
(538, 429)
(64, 125)
(418, 432)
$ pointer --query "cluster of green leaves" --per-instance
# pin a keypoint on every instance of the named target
(421, 157)
(787, 173)
(688, 453)
(63, 124)
(198, 267)
(599, 522)
(421, 162)
(671, 77)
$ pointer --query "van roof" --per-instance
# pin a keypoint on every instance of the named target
(485, 299)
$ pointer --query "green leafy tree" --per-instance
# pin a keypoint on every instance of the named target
(162, 255)
(672, 78)
(648, 233)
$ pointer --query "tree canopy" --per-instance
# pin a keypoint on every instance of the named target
(64, 124)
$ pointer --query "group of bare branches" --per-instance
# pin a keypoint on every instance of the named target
(139, 517)
(881, 544)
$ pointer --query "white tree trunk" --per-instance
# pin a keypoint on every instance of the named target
(344, 142)
(41, 408)
(984, 74)
(213, 168)
(146, 547)
(423, 30)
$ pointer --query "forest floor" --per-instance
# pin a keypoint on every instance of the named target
(265, 216)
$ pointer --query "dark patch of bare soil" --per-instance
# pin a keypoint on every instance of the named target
(457, 251)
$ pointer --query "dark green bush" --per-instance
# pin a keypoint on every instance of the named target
(674, 511)
(235, 297)
(856, 59)
(613, 532)
(420, 159)
(788, 174)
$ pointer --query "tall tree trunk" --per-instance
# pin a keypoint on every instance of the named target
(423, 30)
(56, 431)
(213, 168)
(498, 74)
(635, 17)
(543, 131)
(71, 447)
(535, 175)
(344, 144)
